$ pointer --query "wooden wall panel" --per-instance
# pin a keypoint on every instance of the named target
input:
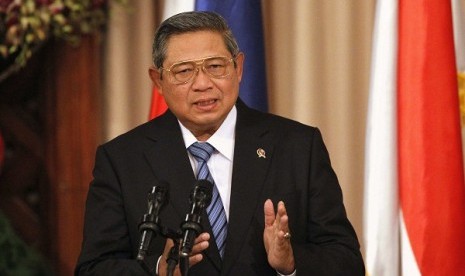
(72, 102)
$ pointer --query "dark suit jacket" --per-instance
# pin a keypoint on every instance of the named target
(296, 170)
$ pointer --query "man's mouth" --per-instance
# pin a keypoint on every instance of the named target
(205, 103)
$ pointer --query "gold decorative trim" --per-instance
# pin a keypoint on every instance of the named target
(461, 83)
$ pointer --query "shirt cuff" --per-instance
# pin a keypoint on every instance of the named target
(292, 274)
(156, 268)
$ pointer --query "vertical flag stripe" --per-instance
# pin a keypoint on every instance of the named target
(381, 210)
(459, 32)
(158, 105)
(431, 181)
(458, 10)
(244, 17)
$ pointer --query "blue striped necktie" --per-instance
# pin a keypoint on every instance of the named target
(216, 214)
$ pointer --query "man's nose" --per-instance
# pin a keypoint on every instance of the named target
(201, 78)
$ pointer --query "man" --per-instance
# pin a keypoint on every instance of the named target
(259, 162)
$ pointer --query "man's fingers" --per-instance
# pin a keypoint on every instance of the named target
(202, 237)
(282, 217)
(168, 245)
(199, 247)
(195, 259)
(281, 208)
(283, 224)
(268, 210)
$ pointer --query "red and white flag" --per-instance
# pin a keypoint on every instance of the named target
(158, 105)
(414, 181)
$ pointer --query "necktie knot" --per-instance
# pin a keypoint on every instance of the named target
(201, 151)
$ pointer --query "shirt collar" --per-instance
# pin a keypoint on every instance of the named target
(222, 139)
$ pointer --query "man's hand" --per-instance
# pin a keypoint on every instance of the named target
(277, 246)
(201, 243)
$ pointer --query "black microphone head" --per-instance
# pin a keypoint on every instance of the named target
(159, 193)
(160, 186)
(202, 192)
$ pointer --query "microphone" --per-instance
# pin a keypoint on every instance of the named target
(200, 198)
(149, 227)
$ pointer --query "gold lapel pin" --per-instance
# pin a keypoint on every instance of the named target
(261, 153)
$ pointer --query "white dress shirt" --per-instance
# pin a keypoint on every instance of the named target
(220, 163)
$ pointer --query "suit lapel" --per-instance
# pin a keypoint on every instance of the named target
(169, 161)
(252, 155)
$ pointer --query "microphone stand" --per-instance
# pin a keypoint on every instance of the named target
(173, 256)
(149, 228)
(173, 260)
(184, 265)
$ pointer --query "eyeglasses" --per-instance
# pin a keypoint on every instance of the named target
(184, 71)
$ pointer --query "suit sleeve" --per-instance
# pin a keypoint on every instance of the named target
(106, 248)
(331, 246)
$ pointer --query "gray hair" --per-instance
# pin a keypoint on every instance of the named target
(190, 22)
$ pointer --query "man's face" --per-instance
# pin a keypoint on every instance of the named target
(203, 103)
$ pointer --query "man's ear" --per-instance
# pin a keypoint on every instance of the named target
(155, 76)
(239, 65)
